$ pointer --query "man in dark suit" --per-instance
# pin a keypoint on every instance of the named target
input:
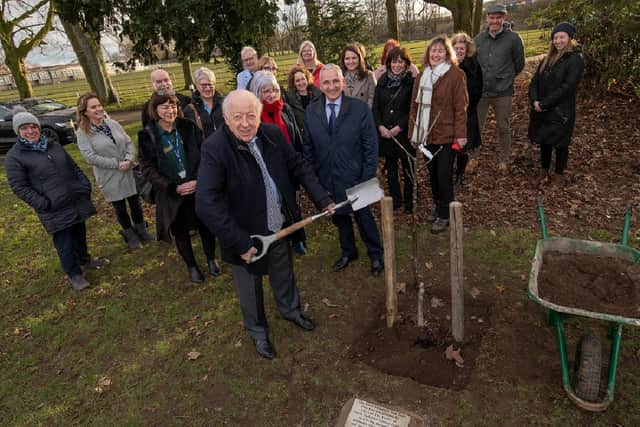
(245, 187)
(341, 143)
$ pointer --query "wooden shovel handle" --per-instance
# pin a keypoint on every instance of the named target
(294, 227)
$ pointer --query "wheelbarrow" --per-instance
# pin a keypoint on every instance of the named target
(585, 389)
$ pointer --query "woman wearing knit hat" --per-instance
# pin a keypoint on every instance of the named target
(552, 95)
(43, 175)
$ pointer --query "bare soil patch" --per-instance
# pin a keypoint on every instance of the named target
(595, 283)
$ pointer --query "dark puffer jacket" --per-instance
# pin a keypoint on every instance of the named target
(555, 89)
(473, 72)
(52, 184)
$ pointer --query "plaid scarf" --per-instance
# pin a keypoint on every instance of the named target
(103, 129)
(41, 145)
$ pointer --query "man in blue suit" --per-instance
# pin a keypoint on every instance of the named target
(341, 143)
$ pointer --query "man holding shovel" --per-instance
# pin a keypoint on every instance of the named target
(341, 141)
(245, 188)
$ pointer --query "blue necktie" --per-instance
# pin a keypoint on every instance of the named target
(332, 118)
(274, 215)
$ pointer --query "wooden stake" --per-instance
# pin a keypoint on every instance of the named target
(457, 273)
(420, 320)
(389, 240)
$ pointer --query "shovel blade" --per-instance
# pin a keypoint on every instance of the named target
(365, 193)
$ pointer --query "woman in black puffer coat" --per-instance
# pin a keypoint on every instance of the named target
(552, 95)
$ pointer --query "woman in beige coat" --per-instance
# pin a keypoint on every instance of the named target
(106, 146)
(360, 83)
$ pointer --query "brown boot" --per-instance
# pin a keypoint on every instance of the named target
(471, 166)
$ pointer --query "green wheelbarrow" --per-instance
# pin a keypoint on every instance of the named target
(585, 389)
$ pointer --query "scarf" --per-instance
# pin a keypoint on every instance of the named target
(272, 113)
(395, 80)
(41, 145)
(349, 78)
(423, 99)
(103, 129)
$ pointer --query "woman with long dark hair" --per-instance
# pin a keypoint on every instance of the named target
(552, 95)
(359, 82)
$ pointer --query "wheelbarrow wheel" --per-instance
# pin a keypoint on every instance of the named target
(588, 365)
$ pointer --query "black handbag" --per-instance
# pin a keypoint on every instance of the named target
(144, 187)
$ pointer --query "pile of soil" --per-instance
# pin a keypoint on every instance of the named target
(595, 283)
(419, 353)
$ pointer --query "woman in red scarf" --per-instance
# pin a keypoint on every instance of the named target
(275, 111)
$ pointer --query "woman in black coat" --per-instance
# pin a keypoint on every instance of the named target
(206, 102)
(391, 105)
(41, 173)
(169, 148)
(465, 49)
(300, 92)
(552, 95)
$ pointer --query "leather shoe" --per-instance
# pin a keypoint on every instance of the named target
(303, 322)
(195, 275)
(343, 262)
(376, 267)
(300, 248)
(265, 348)
(213, 268)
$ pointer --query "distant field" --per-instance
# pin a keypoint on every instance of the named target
(134, 87)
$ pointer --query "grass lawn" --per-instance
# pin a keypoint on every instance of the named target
(134, 87)
(116, 354)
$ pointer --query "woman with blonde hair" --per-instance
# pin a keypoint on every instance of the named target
(465, 49)
(552, 95)
(360, 83)
(438, 119)
(105, 145)
(308, 58)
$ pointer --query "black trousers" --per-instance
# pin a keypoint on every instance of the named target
(440, 174)
(391, 165)
(120, 206)
(71, 245)
(368, 232)
(180, 228)
(283, 285)
(562, 157)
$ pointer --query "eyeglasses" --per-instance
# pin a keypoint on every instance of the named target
(206, 85)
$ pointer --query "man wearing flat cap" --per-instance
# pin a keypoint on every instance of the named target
(501, 58)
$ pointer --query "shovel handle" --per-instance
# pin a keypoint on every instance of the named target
(294, 227)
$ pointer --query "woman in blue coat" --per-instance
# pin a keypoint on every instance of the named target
(41, 173)
(552, 95)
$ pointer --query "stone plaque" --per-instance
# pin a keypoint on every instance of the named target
(360, 413)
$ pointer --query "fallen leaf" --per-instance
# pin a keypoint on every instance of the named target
(193, 355)
(103, 384)
(333, 316)
(474, 292)
(238, 344)
(493, 233)
(436, 302)
(401, 287)
(429, 265)
(306, 307)
(500, 288)
(328, 303)
(452, 354)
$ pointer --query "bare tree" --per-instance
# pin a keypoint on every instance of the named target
(375, 10)
(23, 25)
(408, 17)
(392, 19)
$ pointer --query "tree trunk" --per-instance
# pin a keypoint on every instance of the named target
(392, 19)
(87, 48)
(15, 63)
(462, 11)
(477, 17)
(313, 19)
(186, 71)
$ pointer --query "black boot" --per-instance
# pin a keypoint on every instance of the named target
(131, 238)
(143, 234)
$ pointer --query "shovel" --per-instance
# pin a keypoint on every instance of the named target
(358, 196)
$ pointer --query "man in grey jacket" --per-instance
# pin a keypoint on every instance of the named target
(501, 57)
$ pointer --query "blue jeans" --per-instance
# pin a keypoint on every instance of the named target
(71, 245)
